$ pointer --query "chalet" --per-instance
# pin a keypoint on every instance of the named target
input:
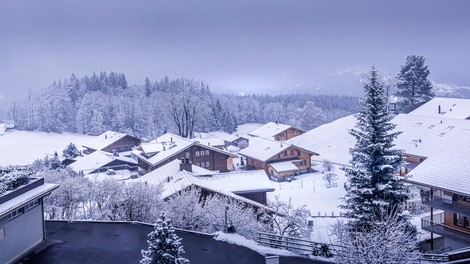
(111, 141)
(169, 147)
(22, 219)
(176, 176)
(235, 140)
(278, 159)
(276, 131)
(437, 152)
(100, 161)
(211, 142)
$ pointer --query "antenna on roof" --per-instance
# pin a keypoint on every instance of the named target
(105, 136)
(439, 109)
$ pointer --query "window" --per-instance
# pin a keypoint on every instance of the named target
(207, 152)
(2, 233)
(303, 162)
(208, 164)
(198, 154)
(32, 204)
(285, 153)
(278, 156)
(16, 213)
(461, 220)
(298, 152)
(291, 152)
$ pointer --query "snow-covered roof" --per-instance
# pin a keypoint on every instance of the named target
(104, 140)
(173, 180)
(215, 141)
(167, 146)
(239, 181)
(263, 149)
(269, 130)
(445, 144)
(450, 108)
(26, 197)
(429, 136)
(231, 137)
(332, 141)
(283, 166)
(96, 160)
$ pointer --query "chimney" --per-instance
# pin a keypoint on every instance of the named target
(171, 139)
(105, 136)
(186, 165)
(439, 109)
(208, 144)
(115, 153)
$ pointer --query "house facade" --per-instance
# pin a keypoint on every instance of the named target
(22, 219)
(277, 159)
(111, 141)
(170, 147)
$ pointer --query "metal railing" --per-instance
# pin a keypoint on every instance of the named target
(443, 230)
(297, 245)
(445, 204)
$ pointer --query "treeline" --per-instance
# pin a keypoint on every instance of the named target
(100, 102)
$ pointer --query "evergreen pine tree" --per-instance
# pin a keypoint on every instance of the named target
(148, 87)
(414, 88)
(55, 162)
(71, 151)
(164, 245)
(372, 180)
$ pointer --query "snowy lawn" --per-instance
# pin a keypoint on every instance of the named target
(24, 147)
(311, 190)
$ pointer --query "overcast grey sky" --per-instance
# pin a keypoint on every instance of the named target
(243, 45)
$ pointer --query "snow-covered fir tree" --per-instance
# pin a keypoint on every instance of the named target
(71, 151)
(372, 179)
(414, 88)
(164, 245)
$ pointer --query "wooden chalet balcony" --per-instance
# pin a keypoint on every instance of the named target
(438, 227)
(445, 204)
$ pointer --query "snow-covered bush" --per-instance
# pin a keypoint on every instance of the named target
(388, 240)
(71, 151)
(289, 220)
(12, 177)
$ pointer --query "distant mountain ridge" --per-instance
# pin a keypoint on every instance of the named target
(451, 90)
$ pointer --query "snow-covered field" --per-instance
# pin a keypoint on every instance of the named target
(24, 147)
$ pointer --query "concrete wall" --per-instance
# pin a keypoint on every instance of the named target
(21, 234)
